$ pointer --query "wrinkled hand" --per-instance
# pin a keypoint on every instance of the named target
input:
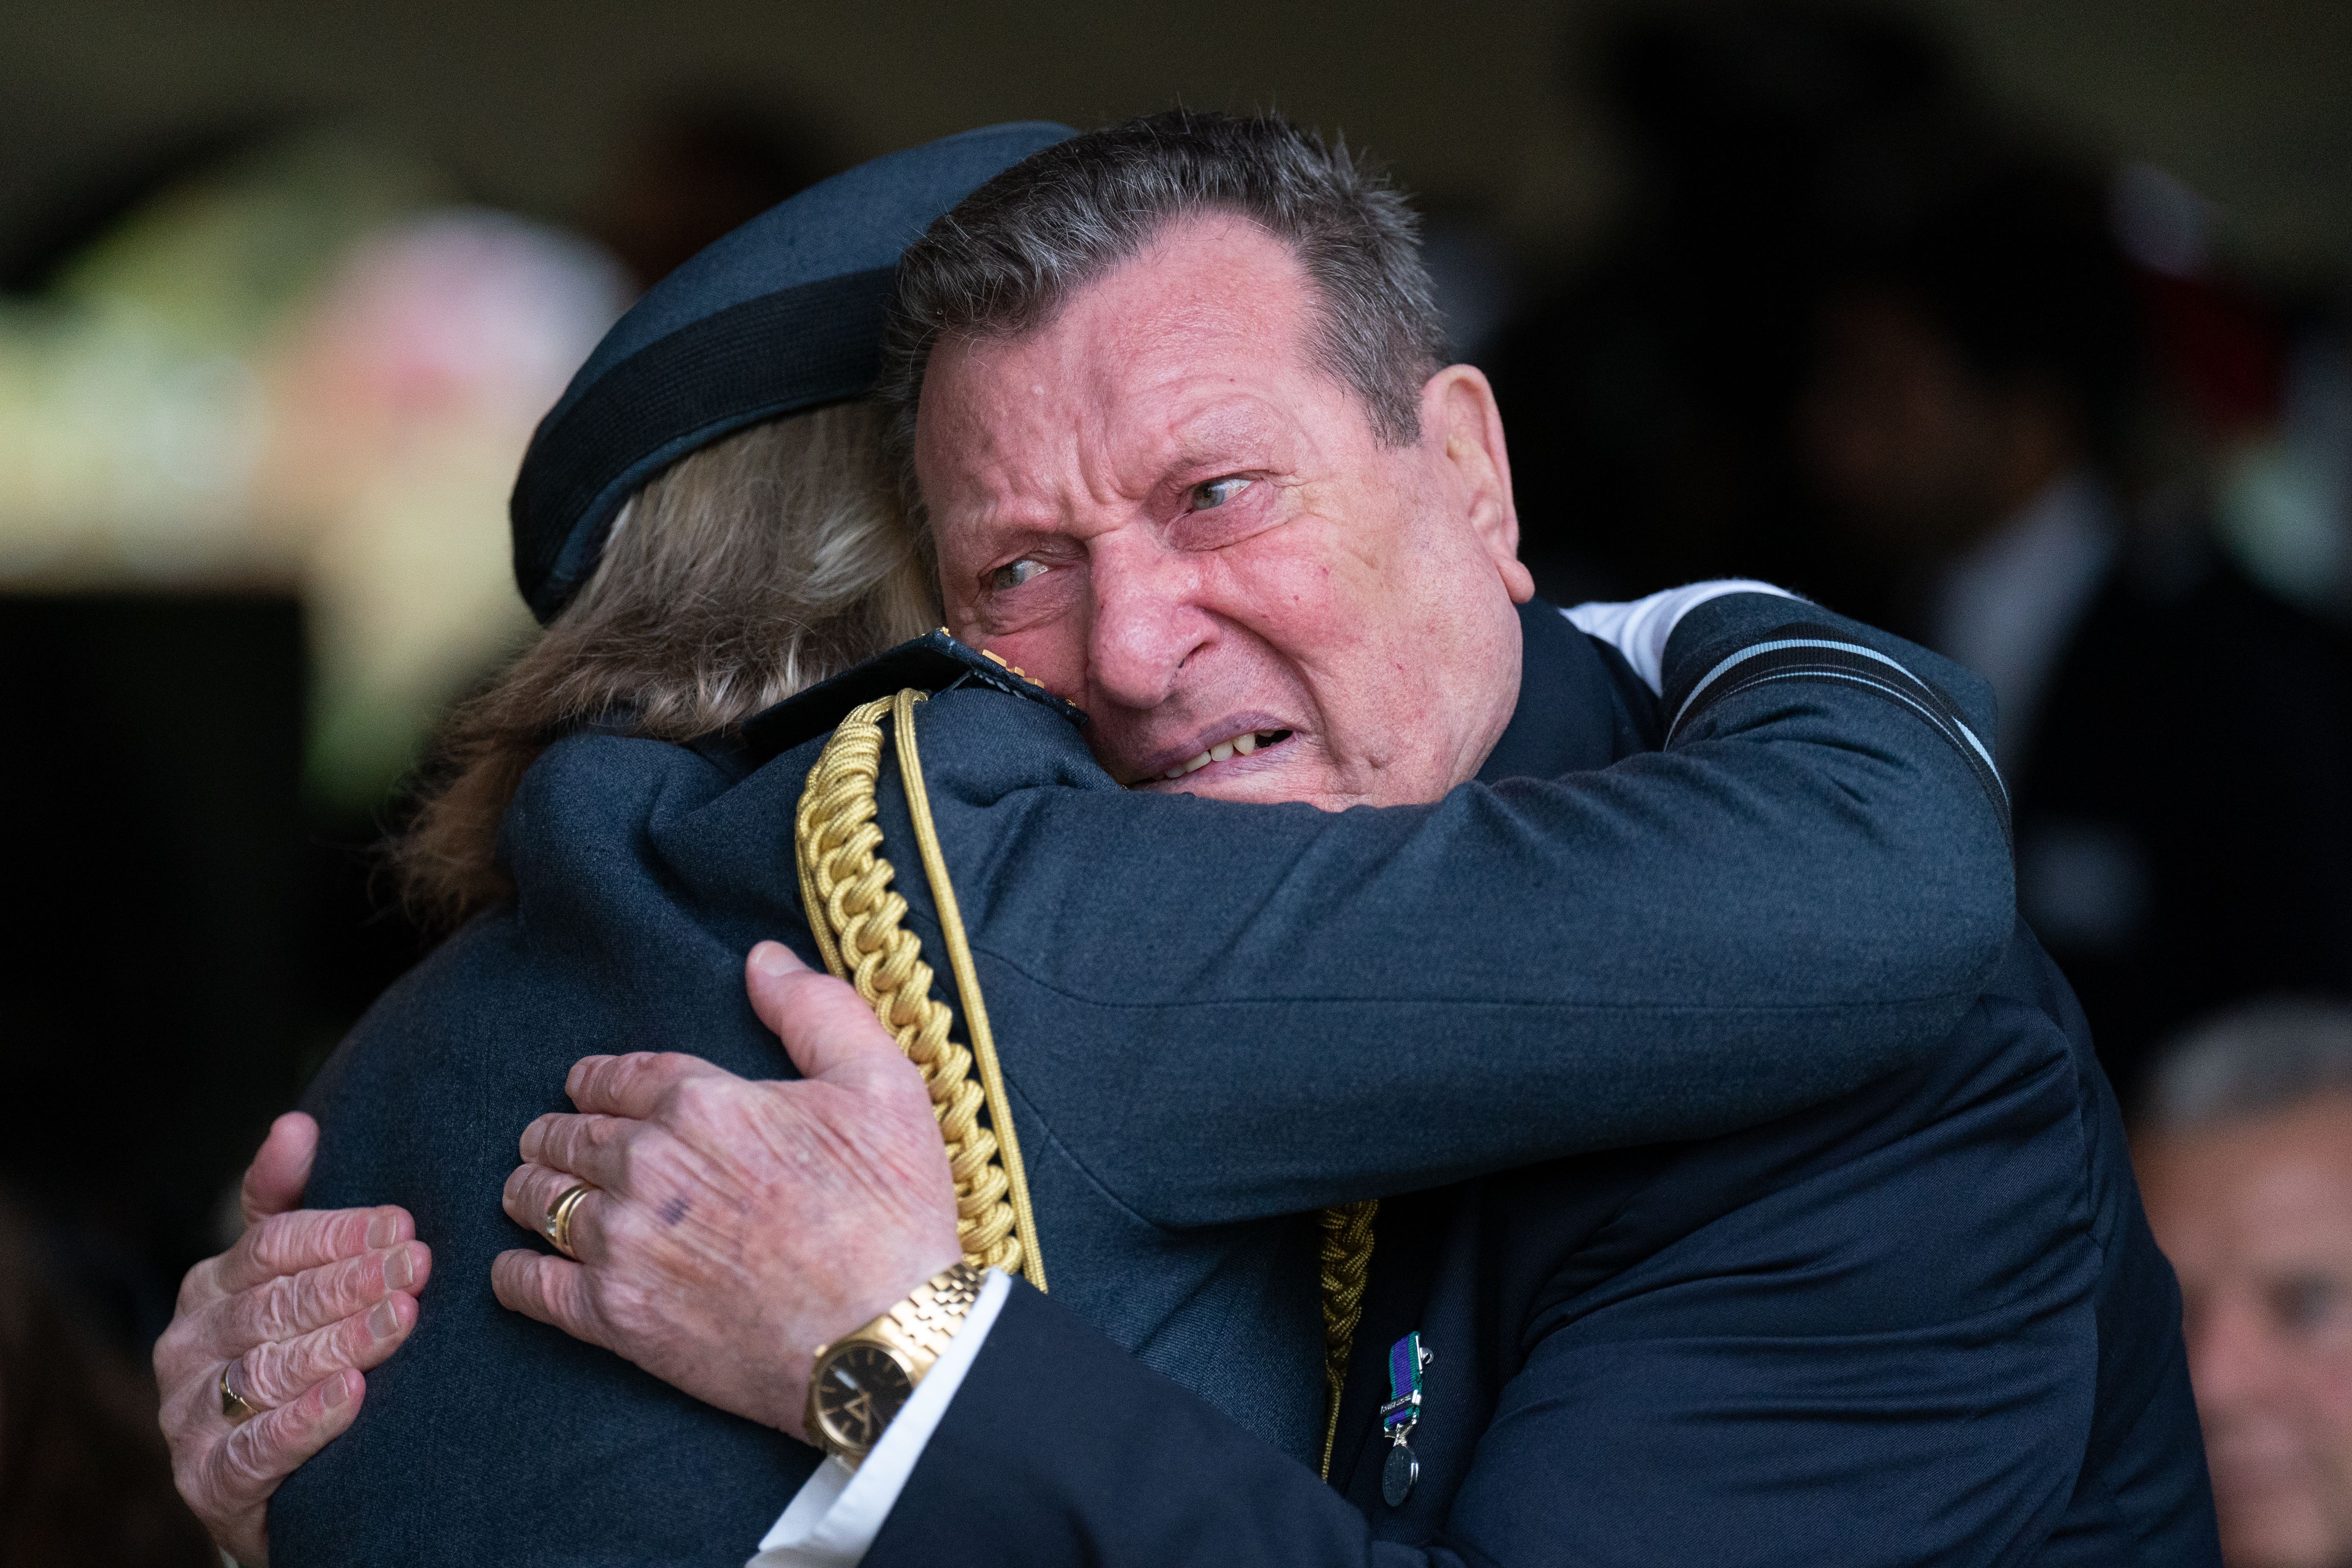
(303, 1304)
(738, 1226)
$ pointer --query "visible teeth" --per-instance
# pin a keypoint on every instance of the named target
(1225, 751)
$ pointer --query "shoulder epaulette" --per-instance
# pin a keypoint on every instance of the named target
(931, 663)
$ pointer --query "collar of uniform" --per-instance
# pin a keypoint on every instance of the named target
(1566, 720)
(930, 663)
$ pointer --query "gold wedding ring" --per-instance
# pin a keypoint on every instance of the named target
(558, 1219)
(233, 1406)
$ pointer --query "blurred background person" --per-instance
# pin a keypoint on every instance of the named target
(2244, 1157)
(2178, 737)
(1855, 329)
(1649, 385)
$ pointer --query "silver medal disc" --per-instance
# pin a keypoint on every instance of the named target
(1398, 1475)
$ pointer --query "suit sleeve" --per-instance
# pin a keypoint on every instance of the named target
(1061, 1449)
(1802, 892)
(1887, 1355)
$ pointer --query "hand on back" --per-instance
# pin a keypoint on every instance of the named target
(736, 1226)
(292, 1315)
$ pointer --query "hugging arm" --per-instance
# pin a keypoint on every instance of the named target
(1876, 1332)
(1484, 953)
(1801, 892)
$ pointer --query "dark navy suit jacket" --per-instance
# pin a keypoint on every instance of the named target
(1212, 1018)
(1923, 1324)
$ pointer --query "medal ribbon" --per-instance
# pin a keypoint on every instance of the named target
(1403, 1408)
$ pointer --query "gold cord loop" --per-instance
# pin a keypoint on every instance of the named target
(857, 918)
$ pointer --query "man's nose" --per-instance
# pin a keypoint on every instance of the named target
(1146, 623)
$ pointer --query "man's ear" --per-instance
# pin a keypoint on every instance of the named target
(1458, 413)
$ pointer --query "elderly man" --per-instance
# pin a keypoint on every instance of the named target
(1269, 541)
(1188, 458)
(1801, 892)
(2245, 1154)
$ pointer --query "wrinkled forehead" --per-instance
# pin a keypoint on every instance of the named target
(2262, 1184)
(1211, 326)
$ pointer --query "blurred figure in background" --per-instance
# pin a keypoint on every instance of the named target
(2244, 1160)
(2178, 739)
(1648, 394)
(1853, 335)
(1969, 407)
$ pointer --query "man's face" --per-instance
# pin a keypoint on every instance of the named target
(2256, 1216)
(1159, 506)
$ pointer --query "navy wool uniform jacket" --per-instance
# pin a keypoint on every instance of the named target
(1212, 1018)
(1922, 1322)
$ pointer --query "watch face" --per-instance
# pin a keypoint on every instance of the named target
(859, 1389)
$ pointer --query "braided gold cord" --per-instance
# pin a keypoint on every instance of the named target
(856, 918)
(975, 1007)
(1346, 1265)
(858, 922)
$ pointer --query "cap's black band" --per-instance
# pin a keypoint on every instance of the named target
(797, 348)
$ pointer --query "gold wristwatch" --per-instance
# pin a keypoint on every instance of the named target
(864, 1380)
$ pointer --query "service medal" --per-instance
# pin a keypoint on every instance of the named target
(1400, 1416)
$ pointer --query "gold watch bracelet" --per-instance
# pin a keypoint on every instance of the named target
(917, 1329)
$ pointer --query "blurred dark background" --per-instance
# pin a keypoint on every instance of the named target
(2018, 328)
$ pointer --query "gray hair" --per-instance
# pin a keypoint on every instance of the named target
(2252, 1060)
(1003, 261)
(740, 574)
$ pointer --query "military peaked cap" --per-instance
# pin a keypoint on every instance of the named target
(783, 314)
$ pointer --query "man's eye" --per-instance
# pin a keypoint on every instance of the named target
(2305, 1303)
(1216, 492)
(1013, 575)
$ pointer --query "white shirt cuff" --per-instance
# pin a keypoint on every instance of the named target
(838, 1512)
(1639, 630)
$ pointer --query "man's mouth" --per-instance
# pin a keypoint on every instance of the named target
(1241, 745)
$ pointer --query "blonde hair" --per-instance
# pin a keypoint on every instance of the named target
(741, 575)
